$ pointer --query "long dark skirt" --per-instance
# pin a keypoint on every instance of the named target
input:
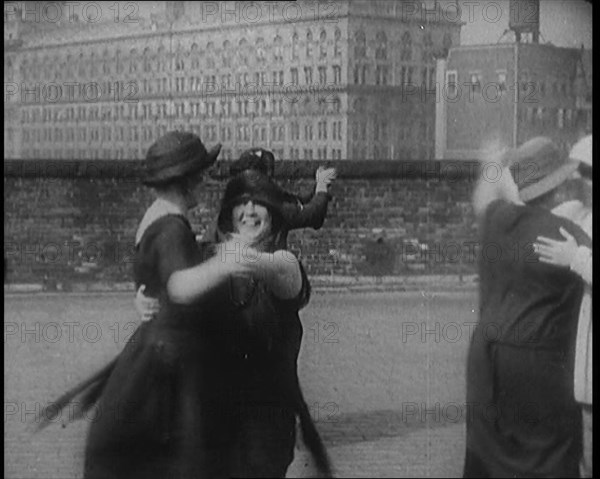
(170, 408)
(523, 419)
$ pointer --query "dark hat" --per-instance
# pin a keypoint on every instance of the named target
(258, 159)
(175, 155)
(538, 166)
(251, 185)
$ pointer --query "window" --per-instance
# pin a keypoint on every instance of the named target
(381, 48)
(322, 130)
(502, 80)
(295, 42)
(336, 104)
(360, 44)
(569, 116)
(195, 57)
(309, 40)
(226, 54)
(210, 55)
(427, 46)
(337, 74)
(294, 75)
(406, 51)
(337, 51)
(452, 83)
(363, 74)
(323, 44)
(431, 78)
(133, 61)
(560, 118)
(308, 75)
(308, 132)
(381, 75)
(475, 81)
(260, 50)
(278, 49)
(323, 75)
(242, 51)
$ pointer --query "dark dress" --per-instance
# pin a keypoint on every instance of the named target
(150, 405)
(523, 420)
(204, 391)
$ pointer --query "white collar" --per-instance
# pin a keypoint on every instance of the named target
(569, 209)
(157, 210)
(575, 211)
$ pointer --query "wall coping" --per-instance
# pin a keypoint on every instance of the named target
(436, 170)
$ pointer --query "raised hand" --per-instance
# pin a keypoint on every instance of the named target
(324, 177)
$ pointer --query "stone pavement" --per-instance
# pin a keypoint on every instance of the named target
(436, 452)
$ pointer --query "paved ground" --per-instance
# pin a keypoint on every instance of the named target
(383, 373)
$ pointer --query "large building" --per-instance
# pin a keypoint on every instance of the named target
(350, 79)
(507, 93)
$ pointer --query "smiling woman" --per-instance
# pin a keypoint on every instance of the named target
(249, 294)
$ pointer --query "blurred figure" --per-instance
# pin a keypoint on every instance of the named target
(525, 420)
(578, 258)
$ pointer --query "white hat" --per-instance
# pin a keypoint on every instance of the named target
(582, 151)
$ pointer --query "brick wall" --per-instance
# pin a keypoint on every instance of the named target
(76, 221)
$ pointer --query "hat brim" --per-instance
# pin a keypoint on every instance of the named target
(182, 170)
(548, 183)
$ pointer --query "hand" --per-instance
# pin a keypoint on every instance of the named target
(146, 306)
(556, 252)
(324, 177)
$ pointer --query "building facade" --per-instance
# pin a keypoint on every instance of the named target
(505, 94)
(309, 80)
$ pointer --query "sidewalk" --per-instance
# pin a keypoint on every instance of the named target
(318, 283)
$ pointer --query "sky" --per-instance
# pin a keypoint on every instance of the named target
(565, 23)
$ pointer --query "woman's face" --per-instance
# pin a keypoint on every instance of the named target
(251, 220)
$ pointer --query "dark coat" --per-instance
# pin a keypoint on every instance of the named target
(523, 419)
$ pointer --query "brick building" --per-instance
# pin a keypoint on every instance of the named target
(311, 80)
(481, 105)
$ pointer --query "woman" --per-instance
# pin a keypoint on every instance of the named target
(299, 212)
(256, 333)
(193, 393)
(147, 416)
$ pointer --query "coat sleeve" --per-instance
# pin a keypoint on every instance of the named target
(175, 248)
(309, 215)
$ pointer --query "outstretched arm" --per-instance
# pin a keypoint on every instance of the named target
(279, 270)
(187, 286)
(312, 213)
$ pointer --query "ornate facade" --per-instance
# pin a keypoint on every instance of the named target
(309, 80)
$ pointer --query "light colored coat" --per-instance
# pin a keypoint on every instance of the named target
(582, 265)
